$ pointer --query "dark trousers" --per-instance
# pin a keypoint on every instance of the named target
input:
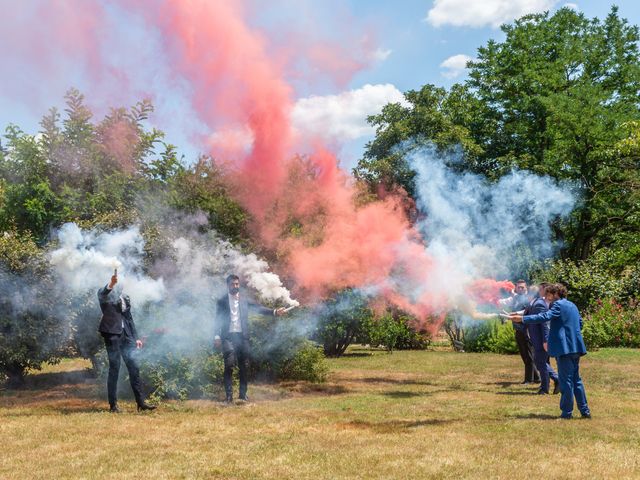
(526, 353)
(236, 353)
(571, 385)
(546, 371)
(121, 346)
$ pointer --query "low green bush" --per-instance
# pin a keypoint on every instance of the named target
(393, 330)
(611, 324)
(490, 336)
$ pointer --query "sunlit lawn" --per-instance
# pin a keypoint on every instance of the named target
(405, 415)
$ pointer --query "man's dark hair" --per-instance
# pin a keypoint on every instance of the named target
(232, 277)
(557, 288)
(544, 285)
(521, 281)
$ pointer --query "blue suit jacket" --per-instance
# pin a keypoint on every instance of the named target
(538, 332)
(565, 334)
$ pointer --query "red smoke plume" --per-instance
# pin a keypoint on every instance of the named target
(304, 208)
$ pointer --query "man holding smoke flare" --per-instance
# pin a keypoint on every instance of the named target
(121, 340)
(566, 344)
(232, 315)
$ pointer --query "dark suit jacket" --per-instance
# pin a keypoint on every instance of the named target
(565, 334)
(114, 317)
(223, 315)
(538, 332)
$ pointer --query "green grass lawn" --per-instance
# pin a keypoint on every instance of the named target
(402, 415)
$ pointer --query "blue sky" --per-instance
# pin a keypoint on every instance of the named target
(412, 41)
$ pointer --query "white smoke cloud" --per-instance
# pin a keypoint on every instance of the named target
(475, 228)
(86, 260)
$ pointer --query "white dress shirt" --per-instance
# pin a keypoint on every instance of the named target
(234, 307)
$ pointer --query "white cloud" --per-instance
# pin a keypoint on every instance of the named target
(343, 116)
(454, 66)
(479, 13)
(381, 54)
(572, 6)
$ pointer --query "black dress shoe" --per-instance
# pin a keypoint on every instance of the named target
(586, 415)
(145, 406)
(114, 409)
(542, 392)
(556, 387)
(228, 400)
(244, 398)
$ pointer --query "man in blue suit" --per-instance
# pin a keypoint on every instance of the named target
(539, 337)
(566, 344)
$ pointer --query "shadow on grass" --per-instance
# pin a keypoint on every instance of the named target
(395, 381)
(504, 384)
(396, 426)
(46, 381)
(538, 416)
(399, 394)
(526, 394)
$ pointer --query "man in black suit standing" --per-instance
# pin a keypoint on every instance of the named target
(232, 315)
(121, 339)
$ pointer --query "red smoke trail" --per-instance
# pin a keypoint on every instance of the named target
(487, 291)
(334, 245)
(303, 208)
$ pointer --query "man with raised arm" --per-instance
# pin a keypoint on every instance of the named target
(121, 340)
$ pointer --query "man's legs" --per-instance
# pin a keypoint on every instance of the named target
(229, 362)
(243, 367)
(112, 343)
(566, 371)
(526, 353)
(578, 388)
(540, 357)
(134, 372)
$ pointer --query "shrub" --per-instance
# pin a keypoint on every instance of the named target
(610, 324)
(308, 364)
(394, 331)
(490, 336)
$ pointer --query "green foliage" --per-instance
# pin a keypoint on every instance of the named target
(28, 337)
(608, 273)
(340, 321)
(609, 324)
(308, 364)
(182, 376)
(558, 96)
(393, 330)
(490, 336)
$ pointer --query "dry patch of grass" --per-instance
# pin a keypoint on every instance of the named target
(404, 415)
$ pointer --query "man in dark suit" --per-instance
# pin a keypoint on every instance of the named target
(120, 339)
(566, 344)
(515, 303)
(232, 315)
(539, 336)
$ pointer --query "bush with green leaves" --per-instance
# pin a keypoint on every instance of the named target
(394, 330)
(610, 324)
(490, 336)
(30, 332)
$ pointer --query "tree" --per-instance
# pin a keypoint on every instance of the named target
(30, 332)
(554, 98)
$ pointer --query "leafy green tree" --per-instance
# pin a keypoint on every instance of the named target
(30, 333)
(555, 97)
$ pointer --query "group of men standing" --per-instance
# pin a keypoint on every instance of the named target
(121, 338)
(546, 325)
